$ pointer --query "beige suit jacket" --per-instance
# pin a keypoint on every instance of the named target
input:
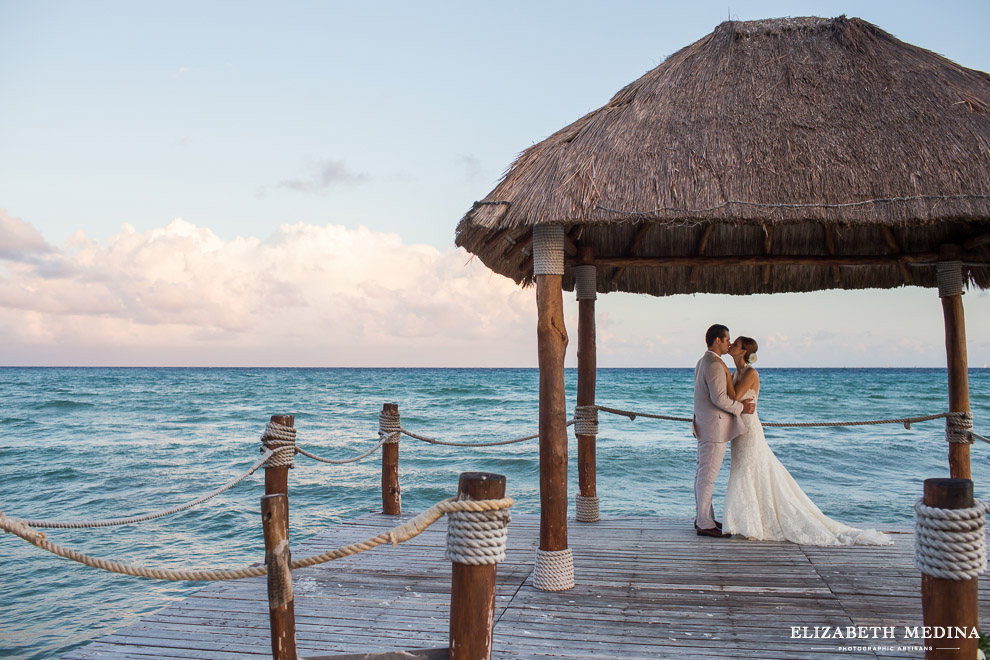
(716, 416)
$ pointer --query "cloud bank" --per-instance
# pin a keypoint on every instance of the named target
(307, 296)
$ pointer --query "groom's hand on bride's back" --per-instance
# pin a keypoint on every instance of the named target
(749, 407)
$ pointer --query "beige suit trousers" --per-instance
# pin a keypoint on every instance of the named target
(710, 457)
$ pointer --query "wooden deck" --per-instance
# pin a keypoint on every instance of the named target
(646, 588)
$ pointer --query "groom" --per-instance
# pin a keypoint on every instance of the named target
(716, 422)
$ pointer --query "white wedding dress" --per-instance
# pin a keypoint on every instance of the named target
(763, 502)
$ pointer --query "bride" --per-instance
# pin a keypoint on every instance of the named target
(762, 500)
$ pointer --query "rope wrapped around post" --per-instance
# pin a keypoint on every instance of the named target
(949, 543)
(477, 537)
(587, 509)
(548, 250)
(958, 427)
(389, 427)
(950, 281)
(586, 420)
(281, 441)
(554, 570)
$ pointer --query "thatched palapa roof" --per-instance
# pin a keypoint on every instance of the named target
(781, 155)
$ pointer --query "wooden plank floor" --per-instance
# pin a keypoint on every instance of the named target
(646, 588)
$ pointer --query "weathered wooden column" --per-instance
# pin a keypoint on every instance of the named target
(950, 286)
(586, 421)
(281, 608)
(949, 599)
(472, 586)
(554, 569)
(388, 424)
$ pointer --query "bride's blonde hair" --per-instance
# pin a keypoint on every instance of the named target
(749, 345)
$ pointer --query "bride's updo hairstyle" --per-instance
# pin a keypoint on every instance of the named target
(749, 345)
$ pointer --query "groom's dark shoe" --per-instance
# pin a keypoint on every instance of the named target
(714, 532)
(717, 524)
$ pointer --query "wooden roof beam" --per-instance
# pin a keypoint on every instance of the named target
(706, 233)
(778, 260)
(830, 246)
(631, 250)
(895, 248)
(767, 247)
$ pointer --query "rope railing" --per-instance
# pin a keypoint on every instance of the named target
(958, 423)
(495, 443)
(398, 534)
(112, 522)
(340, 461)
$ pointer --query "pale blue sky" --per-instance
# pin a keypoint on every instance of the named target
(240, 117)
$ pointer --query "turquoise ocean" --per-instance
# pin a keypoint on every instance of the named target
(91, 443)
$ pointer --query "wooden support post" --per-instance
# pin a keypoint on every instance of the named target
(391, 494)
(587, 375)
(472, 588)
(277, 478)
(956, 359)
(552, 344)
(952, 603)
(281, 609)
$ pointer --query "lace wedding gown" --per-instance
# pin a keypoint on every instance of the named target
(763, 502)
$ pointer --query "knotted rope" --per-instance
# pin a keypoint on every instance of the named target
(548, 250)
(949, 543)
(586, 420)
(281, 441)
(477, 537)
(396, 535)
(949, 275)
(958, 427)
(112, 522)
(554, 570)
(389, 427)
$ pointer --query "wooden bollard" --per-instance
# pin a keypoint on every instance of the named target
(472, 588)
(277, 478)
(281, 610)
(391, 495)
(949, 603)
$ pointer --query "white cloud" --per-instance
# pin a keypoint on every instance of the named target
(19, 240)
(318, 295)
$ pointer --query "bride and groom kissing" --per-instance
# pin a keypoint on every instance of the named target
(762, 500)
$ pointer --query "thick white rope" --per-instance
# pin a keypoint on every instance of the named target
(396, 535)
(554, 570)
(477, 538)
(950, 543)
(281, 441)
(950, 281)
(341, 461)
(548, 250)
(586, 420)
(112, 522)
(389, 427)
(586, 508)
(496, 443)
(585, 285)
(961, 419)
(958, 428)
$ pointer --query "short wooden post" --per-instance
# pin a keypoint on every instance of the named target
(957, 362)
(587, 374)
(391, 495)
(950, 603)
(281, 610)
(472, 588)
(277, 478)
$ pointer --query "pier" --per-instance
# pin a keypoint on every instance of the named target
(646, 587)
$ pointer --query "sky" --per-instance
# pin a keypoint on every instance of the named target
(277, 184)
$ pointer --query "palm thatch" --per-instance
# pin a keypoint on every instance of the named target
(781, 155)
